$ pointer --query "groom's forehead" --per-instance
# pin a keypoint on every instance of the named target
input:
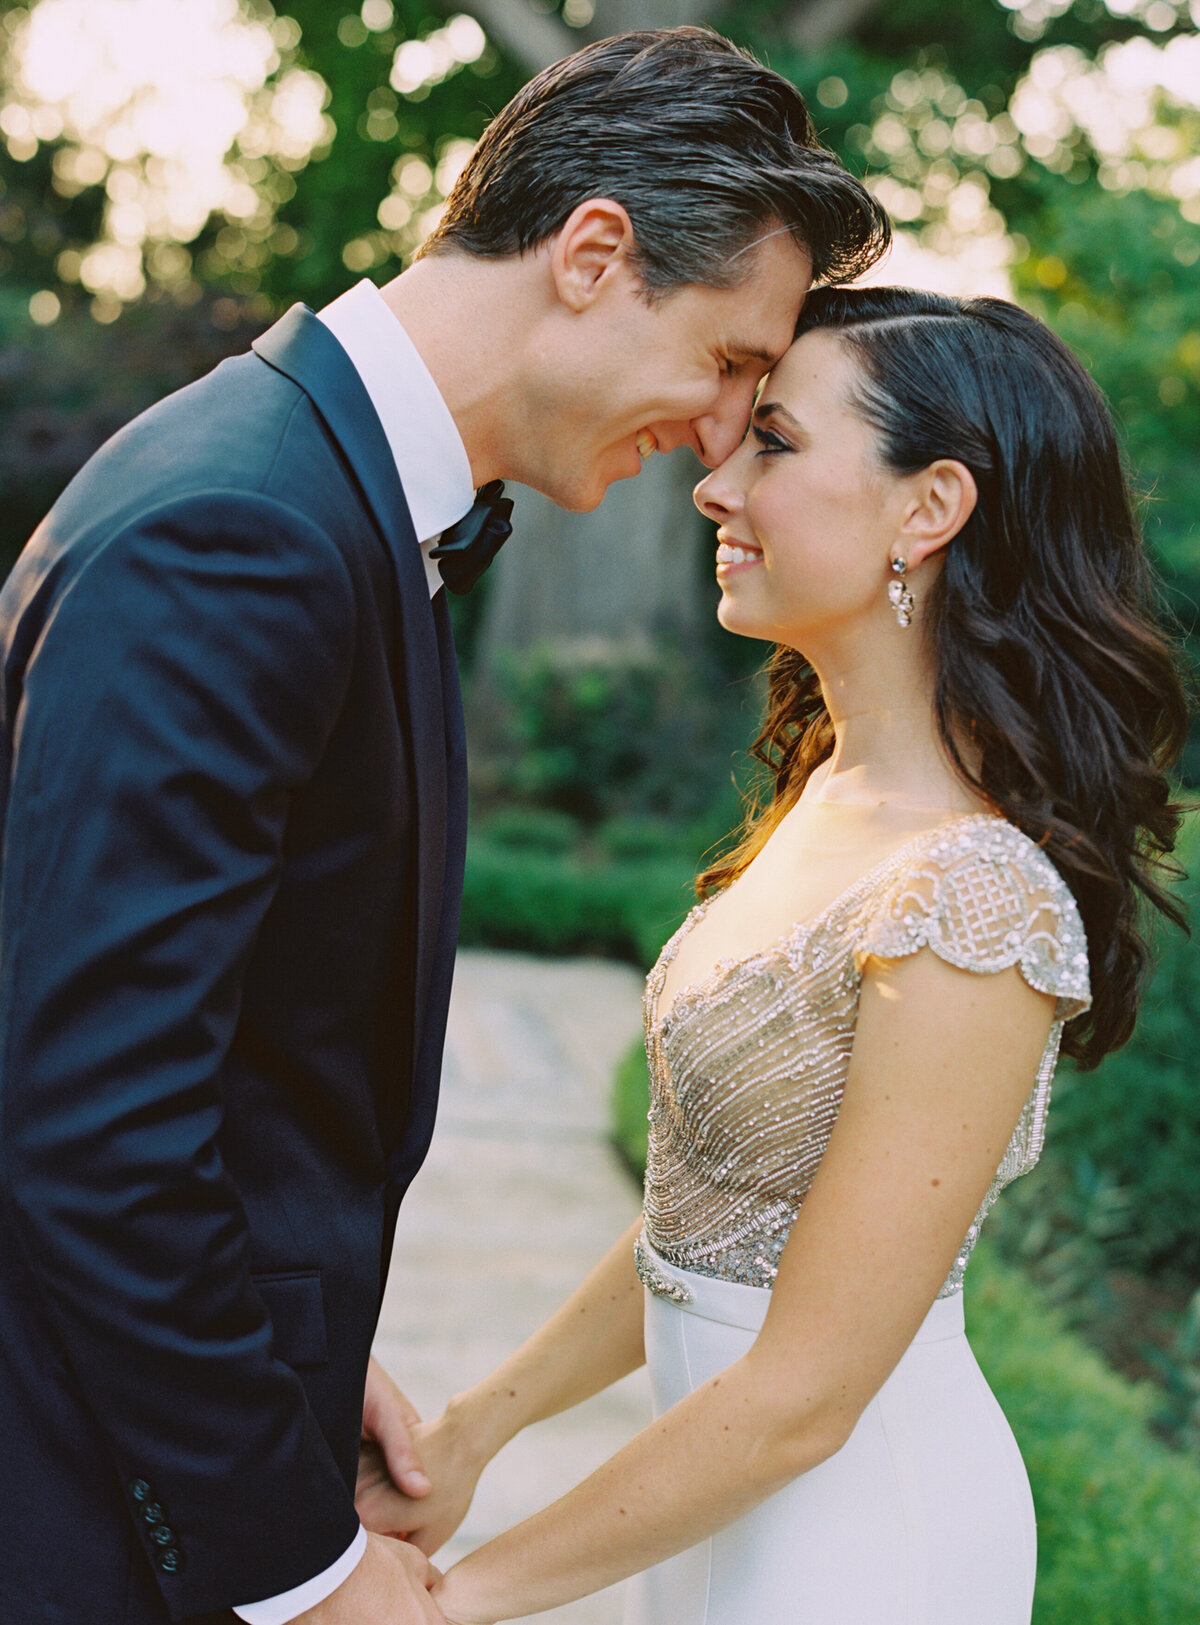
(764, 331)
(763, 307)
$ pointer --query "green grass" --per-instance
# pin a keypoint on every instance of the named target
(1118, 1513)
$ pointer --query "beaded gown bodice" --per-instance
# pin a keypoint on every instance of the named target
(747, 1067)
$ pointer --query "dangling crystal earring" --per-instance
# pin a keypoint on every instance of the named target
(899, 595)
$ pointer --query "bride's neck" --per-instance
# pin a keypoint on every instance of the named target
(888, 750)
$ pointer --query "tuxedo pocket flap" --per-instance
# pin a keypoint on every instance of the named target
(296, 1306)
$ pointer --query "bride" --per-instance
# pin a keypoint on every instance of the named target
(852, 1038)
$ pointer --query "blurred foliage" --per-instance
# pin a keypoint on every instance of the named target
(630, 1109)
(919, 94)
(1138, 1117)
(337, 201)
(548, 902)
(61, 398)
(1118, 1513)
(1109, 1222)
(599, 734)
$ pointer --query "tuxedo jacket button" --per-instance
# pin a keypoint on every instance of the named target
(153, 1512)
(170, 1560)
(139, 1489)
(163, 1534)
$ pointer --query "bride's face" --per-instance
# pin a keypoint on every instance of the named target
(808, 515)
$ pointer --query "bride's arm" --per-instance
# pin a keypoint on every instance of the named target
(591, 1342)
(943, 1061)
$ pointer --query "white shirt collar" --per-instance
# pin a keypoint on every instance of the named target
(430, 456)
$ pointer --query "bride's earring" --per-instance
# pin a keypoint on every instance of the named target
(899, 594)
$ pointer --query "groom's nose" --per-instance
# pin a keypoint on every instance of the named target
(719, 433)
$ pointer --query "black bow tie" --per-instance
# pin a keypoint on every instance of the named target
(467, 548)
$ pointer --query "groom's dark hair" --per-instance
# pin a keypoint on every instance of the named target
(699, 142)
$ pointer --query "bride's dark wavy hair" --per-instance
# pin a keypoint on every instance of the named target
(1053, 669)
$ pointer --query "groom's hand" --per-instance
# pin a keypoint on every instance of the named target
(390, 1586)
(388, 1420)
(452, 1455)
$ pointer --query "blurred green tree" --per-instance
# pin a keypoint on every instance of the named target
(1052, 141)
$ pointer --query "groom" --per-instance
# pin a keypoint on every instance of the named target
(234, 803)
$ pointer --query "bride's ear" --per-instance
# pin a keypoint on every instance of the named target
(595, 245)
(942, 498)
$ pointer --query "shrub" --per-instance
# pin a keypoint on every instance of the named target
(601, 732)
(630, 1104)
(558, 903)
(1117, 1187)
(1118, 1513)
(1138, 1117)
(536, 830)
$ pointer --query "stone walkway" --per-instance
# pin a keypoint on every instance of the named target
(520, 1195)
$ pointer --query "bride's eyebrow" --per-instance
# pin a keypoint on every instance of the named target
(766, 409)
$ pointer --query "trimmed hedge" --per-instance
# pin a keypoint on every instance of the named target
(1118, 1513)
(548, 902)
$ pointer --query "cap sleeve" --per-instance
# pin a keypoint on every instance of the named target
(984, 898)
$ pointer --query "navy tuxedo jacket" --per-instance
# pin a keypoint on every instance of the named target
(232, 783)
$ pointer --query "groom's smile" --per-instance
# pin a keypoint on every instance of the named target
(637, 374)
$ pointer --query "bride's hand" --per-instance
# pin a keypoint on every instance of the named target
(452, 1595)
(452, 1467)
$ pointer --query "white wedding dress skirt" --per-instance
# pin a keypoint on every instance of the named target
(923, 1517)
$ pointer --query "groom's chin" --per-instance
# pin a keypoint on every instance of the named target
(582, 488)
(578, 496)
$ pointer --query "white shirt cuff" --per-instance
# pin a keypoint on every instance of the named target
(278, 1610)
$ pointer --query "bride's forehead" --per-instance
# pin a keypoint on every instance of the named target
(817, 367)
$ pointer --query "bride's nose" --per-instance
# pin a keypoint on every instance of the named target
(717, 496)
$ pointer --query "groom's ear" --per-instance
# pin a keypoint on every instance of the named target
(594, 248)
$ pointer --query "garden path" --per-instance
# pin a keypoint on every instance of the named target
(520, 1195)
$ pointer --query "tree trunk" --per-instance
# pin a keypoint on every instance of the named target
(623, 575)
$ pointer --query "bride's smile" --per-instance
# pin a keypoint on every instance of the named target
(809, 517)
(804, 509)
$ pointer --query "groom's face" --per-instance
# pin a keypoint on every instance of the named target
(639, 378)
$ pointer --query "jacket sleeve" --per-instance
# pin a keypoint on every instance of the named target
(182, 686)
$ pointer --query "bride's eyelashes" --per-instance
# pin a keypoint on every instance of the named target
(770, 443)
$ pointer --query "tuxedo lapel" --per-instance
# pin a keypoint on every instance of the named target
(418, 1132)
(304, 350)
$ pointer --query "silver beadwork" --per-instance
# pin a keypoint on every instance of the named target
(747, 1067)
(656, 1278)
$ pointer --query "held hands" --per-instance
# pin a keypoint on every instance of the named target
(388, 1421)
(390, 1586)
(453, 1596)
(430, 1520)
(398, 1459)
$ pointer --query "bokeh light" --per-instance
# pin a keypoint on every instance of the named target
(169, 103)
